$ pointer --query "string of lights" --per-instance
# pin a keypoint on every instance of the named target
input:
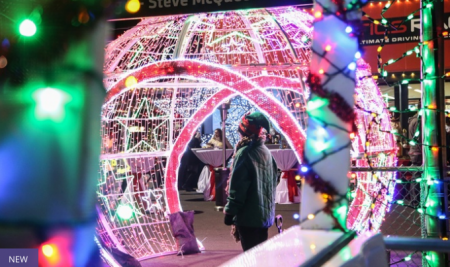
(412, 141)
(325, 68)
(427, 180)
(387, 24)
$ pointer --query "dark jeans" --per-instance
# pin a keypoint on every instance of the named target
(251, 236)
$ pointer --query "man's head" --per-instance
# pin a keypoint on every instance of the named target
(253, 124)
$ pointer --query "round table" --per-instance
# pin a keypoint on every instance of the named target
(287, 189)
(213, 159)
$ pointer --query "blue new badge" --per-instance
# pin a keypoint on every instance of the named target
(14, 257)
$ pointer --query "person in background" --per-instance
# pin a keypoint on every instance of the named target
(415, 153)
(447, 137)
(186, 159)
(194, 164)
(251, 196)
(275, 136)
(216, 140)
(395, 126)
(272, 137)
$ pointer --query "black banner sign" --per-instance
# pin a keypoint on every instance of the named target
(408, 32)
(172, 7)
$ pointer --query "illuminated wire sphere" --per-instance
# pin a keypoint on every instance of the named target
(184, 67)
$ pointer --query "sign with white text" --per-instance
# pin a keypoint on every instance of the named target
(408, 32)
(172, 7)
(25, 257)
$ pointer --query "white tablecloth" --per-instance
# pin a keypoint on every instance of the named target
(285, 159)
(211, 157)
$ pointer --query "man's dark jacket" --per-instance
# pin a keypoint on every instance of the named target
(252, 186)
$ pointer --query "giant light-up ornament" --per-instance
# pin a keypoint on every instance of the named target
(164, 77)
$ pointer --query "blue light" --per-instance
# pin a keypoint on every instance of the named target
(348, 29)
(296, 216)
(358, 55)
(442, 217)
(5, 43)
(352, 66)
(304, 169)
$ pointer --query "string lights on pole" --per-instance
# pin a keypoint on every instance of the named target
(388, 25)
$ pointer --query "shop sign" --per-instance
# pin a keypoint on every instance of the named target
(172, 7)
(405, 33)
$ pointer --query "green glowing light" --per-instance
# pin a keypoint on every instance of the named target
(304, 39)
(416, 49)
(420, 210)
(390, 61)
(342, 210)
(316, 103)
(125, 212)
(384, 21)
(429, 5)
(431, 203)
(412, 142)
(400, 202)
(398, 181)
(408, 258)
(353, 194)
(411, 16)
(392, 108)
(385, 73)
(417, 133)
(409, 52)
(419, 180)
(320, 145)
(428, 257)
(27, 28)
(50, 103)
(413, 108)
(405, 82)
(387, 5)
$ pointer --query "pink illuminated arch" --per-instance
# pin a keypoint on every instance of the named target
(236, 83)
